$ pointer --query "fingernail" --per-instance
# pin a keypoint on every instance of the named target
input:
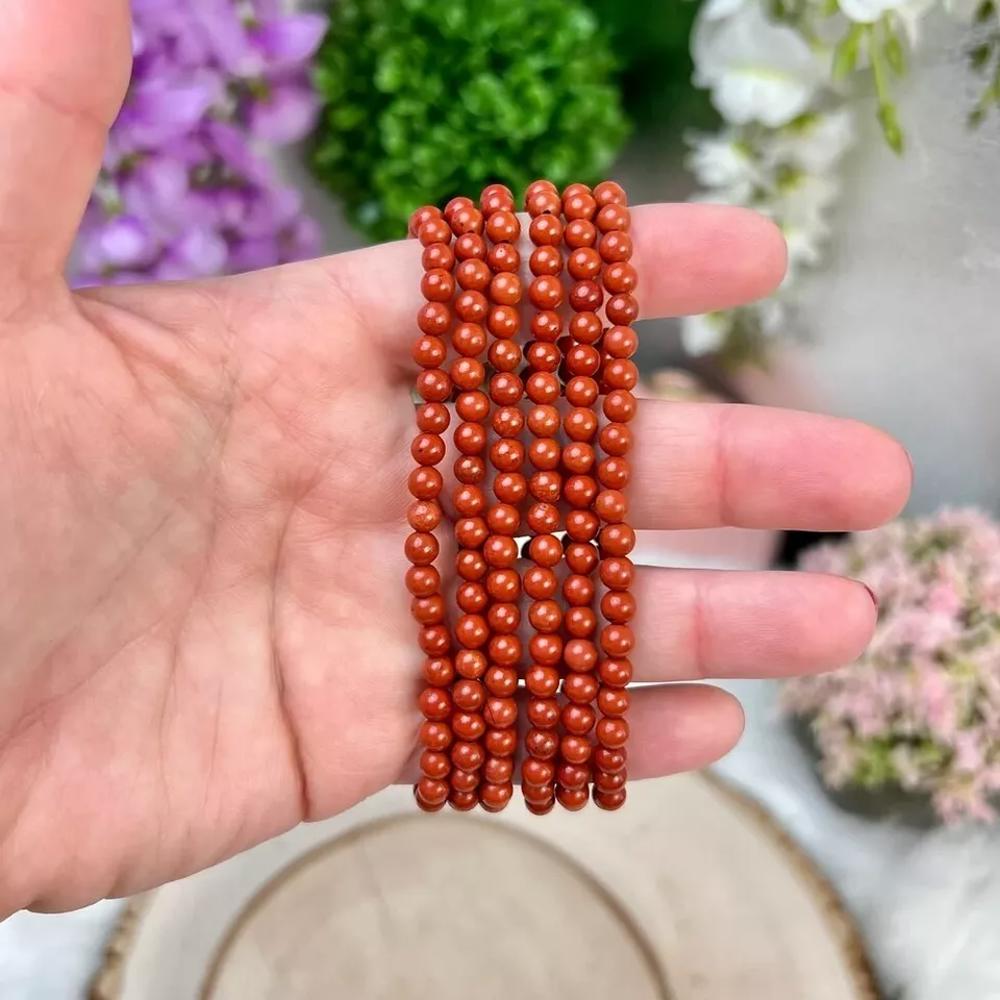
(871, 593)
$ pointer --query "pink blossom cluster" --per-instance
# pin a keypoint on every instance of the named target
(920, 711)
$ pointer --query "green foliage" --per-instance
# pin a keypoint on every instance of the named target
(427, 99)
(984, 59)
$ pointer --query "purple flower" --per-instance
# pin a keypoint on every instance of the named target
(187, 188)
(285, 114)
(289, 41)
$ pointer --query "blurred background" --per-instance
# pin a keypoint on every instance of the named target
(849, 846)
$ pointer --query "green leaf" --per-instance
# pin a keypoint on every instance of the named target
(894, 54)
(891, 129)
(425, 99)
(845, 55)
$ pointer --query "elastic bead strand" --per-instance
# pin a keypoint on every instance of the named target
(434, 386)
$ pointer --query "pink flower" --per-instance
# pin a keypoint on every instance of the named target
(921, 708)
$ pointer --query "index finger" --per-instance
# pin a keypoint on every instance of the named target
(691, 258)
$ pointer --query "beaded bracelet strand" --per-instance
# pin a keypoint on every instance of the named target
(576, 489)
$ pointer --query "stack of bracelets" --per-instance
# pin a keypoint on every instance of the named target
(536, 465)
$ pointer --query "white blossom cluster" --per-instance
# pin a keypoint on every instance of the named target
(775, 70)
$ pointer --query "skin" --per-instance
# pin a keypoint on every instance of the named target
(206, 637)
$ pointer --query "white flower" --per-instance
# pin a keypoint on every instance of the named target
(773, 316)
(801, 212)
(757, 70)
(815, 146)
(869, 11)
(713, 10)
(705, 333)
(722, 162)
(909, 12)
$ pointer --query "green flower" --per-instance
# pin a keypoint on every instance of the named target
(427, 99)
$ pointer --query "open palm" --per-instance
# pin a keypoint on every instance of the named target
(202, 507)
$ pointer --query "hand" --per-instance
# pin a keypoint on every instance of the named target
(202, 497)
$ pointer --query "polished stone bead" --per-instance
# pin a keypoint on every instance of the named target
(435, 764)
(541, 743)
(504, 257)
(543, 421)
(507, 455)
(428, 610)
(500, 712)
(541, 681)
(470, 663)
(609, 760)
(433, 385)
(508, 421)
(468, 695)
(504, 322)
(616, 540)
(578, 589)
(502, 227)
(618, 606)
(580, 622)
(470, 246)
(438, 671)
(540, 583)
(581, 557)
(573, 799)
(615, 439)
(586, 296)
(546, 230)
(504, 585)
(501, 742)
(610, 193)
(610, 800)
(612, 733)
(434, 231)
(613, 702)
(545, 616)
(586, 327)
(501, 681)
(432, 791)
(494, 797)
(545, 550)
(615, 247)
(472, 597)
(546, 649)
(435, 640)
(505, 289)
(582, 525)
(498, 770)
(467, 756)
(468, 725)
(580, 233)
(575, 750)
(505, 355)
(543, 713)
(535, 771)
(496, 198)
(435, 735)
(578, 720)
(613, 217)
(421, 548)
(425, 213)
(546, 326)
(571, 775)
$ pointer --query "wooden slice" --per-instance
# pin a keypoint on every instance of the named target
(689, 893)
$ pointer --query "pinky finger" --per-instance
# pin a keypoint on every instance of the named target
(680, 727)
